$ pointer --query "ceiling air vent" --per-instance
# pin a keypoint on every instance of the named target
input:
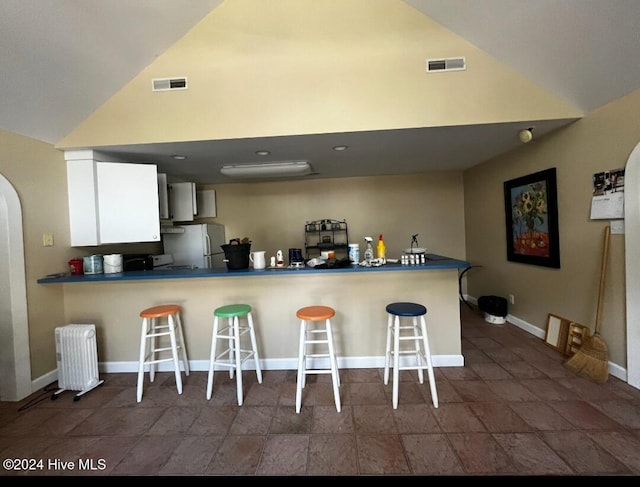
(166, 84)
(449, 64)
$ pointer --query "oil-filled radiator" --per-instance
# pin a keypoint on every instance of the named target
(77, 358)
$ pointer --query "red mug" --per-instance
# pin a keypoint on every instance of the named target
(75, 266)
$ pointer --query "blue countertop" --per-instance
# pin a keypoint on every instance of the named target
(433, 262)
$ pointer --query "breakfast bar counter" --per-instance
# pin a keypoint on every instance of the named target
(433, 262)
(358, 294)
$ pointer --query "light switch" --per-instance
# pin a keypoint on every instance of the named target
(47, 240)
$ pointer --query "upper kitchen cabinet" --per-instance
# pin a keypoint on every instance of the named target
(111, 202)
(184, 202)
(163, 196)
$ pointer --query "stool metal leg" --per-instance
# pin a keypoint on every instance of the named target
(396, 360)
(181, 344)
(254, 346)
(387, 355)
(238, 359)
(174, 351)
(419, 355)
(143, 353)
(212, 357)
(432, 379)
(334, 366)
(232, 346)
(151, 348)
(301, 366)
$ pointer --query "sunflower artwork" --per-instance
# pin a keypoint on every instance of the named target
(531, 232)
(530, 205)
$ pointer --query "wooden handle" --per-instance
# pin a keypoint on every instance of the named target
(603, 274)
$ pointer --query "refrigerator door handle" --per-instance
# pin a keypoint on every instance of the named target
(207, 250)
(207, 245)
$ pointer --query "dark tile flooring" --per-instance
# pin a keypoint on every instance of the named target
(512, 410)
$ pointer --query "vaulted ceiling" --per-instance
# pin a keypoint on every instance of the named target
(62, 59)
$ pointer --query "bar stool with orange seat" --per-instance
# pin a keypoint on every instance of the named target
(158, 324)
(311, 336)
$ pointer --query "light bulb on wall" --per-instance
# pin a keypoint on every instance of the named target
(526, 135)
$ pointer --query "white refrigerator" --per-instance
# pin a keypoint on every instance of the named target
(197, 246)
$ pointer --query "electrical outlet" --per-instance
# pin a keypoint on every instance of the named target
(512, 299)
(47, 240)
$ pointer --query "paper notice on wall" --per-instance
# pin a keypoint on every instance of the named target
(607, 202)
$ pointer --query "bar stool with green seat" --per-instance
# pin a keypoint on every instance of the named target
(239, 321)
(311, 336)
(420, 354)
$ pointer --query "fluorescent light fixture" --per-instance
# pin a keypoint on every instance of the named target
(267, 170)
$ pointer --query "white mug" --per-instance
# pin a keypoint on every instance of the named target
(258, 259)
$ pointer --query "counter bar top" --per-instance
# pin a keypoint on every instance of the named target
(433, 262)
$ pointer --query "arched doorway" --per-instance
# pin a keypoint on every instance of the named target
(15, 360)
(632, 264)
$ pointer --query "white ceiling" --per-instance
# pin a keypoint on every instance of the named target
(585, 51)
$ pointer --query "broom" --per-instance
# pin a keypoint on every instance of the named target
(592, 358)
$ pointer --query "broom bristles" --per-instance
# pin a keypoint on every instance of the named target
(591, 360)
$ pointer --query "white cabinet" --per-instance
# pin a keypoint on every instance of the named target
(207, 203)
(163, 197)
(112, 202)
(186, 203)
(183, 202)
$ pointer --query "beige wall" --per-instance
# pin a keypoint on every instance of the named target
(37, 172)
(259, 69)
(273, 215)
(601, 141)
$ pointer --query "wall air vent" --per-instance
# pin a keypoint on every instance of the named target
(166, 84)
(448, 64)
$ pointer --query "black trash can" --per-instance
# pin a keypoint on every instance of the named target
(494, 307)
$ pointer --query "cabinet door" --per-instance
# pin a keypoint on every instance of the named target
(206, 200)
(163, 196)
(83, 212)
(182, 201)
(128, 209)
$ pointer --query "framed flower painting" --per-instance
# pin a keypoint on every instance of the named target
(531, 210)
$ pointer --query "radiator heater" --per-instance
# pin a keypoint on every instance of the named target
(77, 357)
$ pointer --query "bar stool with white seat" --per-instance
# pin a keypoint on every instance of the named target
(399, 331)
(158, 322)
(310, 336)
(239, 322)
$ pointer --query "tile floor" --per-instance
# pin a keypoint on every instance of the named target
(512, 410)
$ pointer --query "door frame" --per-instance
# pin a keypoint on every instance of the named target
(15, 356)
(632, 266)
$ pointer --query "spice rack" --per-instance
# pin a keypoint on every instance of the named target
(326, 234)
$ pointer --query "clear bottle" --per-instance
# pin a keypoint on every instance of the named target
(368, 252)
